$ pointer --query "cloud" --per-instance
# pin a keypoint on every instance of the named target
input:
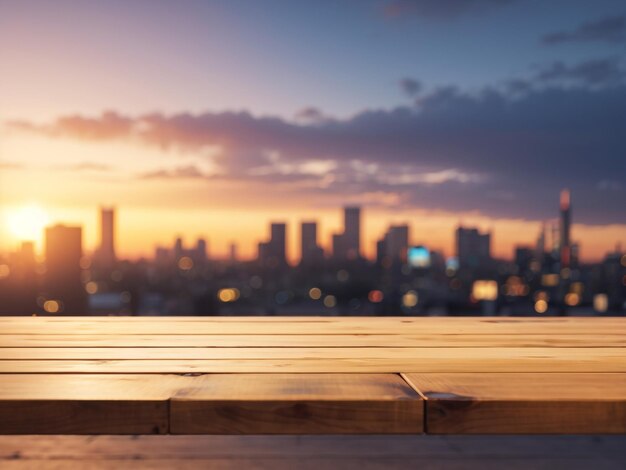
(410, 86)
(610, 185)
(109, 125)
(181, 172)
(503, 154)
(86, 166)
(518, 85)
(611, 29)
(591, 72)
(10, 166)
(310, 114)
(440, 9)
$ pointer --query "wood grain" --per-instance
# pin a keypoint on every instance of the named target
(312, 374)
(381, 353)
(547, 340)
(556, 403)
(297, 404)
(342, 361)
(85, 404)
(347, 325)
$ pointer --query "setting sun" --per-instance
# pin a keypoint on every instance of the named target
(27, 223)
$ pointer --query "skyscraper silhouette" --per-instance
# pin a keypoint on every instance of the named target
(347, 245)
(273, 253)
(63, 283)
(473, 249)
(106, 252)
(566, 219)
(396, 243)
(311, 252)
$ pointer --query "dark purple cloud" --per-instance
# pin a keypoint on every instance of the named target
(591, 72)
(611, 29)
(506, 155)
(410, 86)
(310, 114)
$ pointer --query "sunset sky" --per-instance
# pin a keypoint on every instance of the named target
(199, 118)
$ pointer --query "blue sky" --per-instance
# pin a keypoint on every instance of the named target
(272, 57)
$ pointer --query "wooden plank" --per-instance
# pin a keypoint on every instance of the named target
(513, 403)
(310, 319)
(319, 340)
(447, 355)
(428, 360)
(302, 319)
(85, 404)
(296, 404)
(400, 326)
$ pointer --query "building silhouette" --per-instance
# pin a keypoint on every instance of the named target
(63, 287)
(473, 248)
(273, 253)
(201, 252)
(347, 245)
(565, 227)
(106, 252)
(198, 254)
(311, 253)
(393, 247)
(178, 249)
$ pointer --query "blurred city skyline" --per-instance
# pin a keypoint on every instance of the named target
(214, 119)
(30, 223)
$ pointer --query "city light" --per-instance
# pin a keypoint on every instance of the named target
(52, 306)
(330, 301)
(600, 303)
(418, 257)
(572, 299)
(541, 306)
(550, 280)
(375, 296)
(410, 299)
(485, 290)
(515, 287)
(228, 295)
(185, 263)
(315, 293)
(91, 287)
(452, 265)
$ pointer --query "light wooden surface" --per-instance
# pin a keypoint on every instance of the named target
(303, 375)
(85, 403)
(297, 404)
(314, 340)
(514, 403)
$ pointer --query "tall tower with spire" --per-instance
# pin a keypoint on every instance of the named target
(566, 221)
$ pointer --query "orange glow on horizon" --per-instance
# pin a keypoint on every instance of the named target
(140, 230)
(26, 223)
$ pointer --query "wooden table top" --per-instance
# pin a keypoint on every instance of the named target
(312, 375)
